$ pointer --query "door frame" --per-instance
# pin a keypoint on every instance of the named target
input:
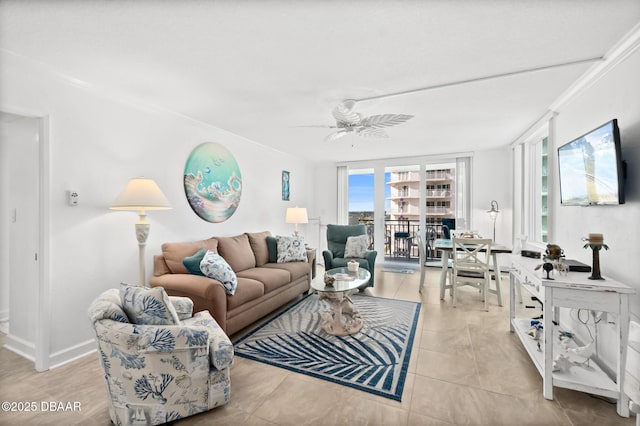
(43, 294)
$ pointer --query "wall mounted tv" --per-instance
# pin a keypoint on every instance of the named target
(591, 168)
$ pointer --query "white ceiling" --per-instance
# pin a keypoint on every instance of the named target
(260, 69)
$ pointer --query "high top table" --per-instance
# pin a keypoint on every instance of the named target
(446, 246)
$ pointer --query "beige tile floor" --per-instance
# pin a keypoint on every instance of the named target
(466, 369)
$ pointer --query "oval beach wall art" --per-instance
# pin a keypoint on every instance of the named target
(212, 182)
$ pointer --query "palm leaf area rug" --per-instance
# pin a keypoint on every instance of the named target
(374, 360)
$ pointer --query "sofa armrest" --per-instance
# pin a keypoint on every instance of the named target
(207, 294)
(311, 258)
(220, 347)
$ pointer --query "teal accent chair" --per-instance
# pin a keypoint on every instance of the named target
(337, 239)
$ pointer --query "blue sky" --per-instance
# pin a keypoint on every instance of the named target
(361, 192)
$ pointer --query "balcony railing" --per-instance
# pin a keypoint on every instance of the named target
(400, 242)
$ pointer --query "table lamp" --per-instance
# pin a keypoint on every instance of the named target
(297, 215)
(141, 194)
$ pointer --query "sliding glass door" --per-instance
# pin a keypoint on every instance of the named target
(399, 201)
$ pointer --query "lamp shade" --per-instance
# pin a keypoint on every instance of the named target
(141, 194)
(297, 215)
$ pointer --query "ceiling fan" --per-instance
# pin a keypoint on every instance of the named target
(349, 121)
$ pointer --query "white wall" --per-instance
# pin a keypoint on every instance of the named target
(615, 95)
(491, 180)
(97, 144)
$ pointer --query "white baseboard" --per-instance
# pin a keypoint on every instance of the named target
(21, 347)
(4, 315)
(73, 353)
(27, 350)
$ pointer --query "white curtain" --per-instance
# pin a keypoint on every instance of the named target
(342, 215)
(463, 192)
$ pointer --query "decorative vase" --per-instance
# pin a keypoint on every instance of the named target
(353, 266)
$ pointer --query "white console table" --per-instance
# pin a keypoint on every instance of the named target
(574, 291)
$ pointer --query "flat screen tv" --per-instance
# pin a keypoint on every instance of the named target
(591, 168)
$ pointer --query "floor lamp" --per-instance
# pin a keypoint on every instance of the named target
(141, 195)
(493, 214)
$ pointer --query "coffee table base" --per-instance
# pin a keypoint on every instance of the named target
(342, 318)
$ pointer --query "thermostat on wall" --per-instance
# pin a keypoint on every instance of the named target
(72, 198)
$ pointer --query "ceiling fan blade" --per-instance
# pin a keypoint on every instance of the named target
(336, 135)
(317, 126)
(385, 120)
(372, 132)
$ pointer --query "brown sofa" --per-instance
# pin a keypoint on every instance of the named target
(263, 285)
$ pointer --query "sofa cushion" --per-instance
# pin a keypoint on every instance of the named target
(174, 253)
(272, 245)
(192, 263)
(356, 246)
(247, 291)
(215, 266)
(295, 269)
(271, 278)
(258, 242)
(237, 252)
(290, 249)
(149, 306)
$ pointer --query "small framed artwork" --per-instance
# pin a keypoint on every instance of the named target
(286, 185)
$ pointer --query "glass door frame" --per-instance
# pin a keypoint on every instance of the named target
(379, 167)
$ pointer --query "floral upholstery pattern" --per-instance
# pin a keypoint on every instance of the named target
(356, 246)
(290, 249)
(183, 306)
(214, 266)
(160, 373)
(149, 306)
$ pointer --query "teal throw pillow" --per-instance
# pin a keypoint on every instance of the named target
(272, 245)
(148, 306)
(214, 266)
(192, 263)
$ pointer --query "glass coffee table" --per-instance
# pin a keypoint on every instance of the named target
(342, 318)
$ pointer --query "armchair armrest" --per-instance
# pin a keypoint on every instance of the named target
(371, 257)
(183, 306)
(220, 347)
(328, 259)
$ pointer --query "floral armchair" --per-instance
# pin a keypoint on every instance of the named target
(160, 373)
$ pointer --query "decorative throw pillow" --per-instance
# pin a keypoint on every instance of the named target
(150, 306)
(214, 266)
(272, 245)
(290, 249)
(192, 263)
(356, 246)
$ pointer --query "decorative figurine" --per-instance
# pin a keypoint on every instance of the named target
(553, 252)
(548, 267)
(596, 242)
(329, 280)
